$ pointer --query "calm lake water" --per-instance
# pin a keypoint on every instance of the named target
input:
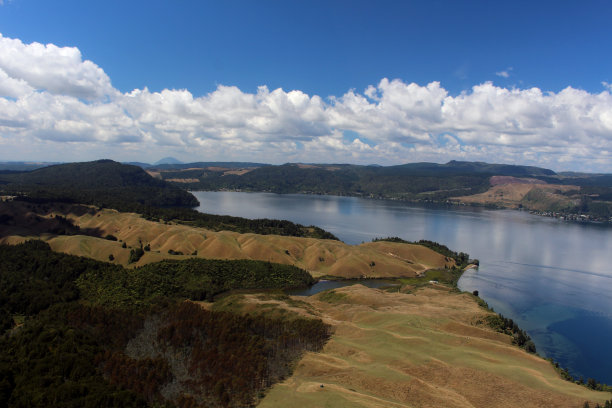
(553, 278)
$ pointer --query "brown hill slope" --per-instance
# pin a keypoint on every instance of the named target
(511, 192)
(320, 257)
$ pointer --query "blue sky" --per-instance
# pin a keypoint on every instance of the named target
(469, 63)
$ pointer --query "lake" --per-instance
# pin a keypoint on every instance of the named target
(554, 278)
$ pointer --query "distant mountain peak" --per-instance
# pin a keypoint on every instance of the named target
(168, 160)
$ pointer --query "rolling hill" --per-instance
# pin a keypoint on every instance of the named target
(98, 234)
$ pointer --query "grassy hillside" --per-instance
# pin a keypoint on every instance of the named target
(570, 201)
(553, 197)
(84, 231)
(428, 348)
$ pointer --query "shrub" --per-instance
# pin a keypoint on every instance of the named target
(135, 255)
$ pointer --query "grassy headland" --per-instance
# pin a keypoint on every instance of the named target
(432, 347)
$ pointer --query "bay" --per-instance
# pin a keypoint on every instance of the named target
(554, 278)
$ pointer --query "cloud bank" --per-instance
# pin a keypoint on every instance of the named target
(56, 106)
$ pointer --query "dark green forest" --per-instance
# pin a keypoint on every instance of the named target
(75, 332)
(103, 183)
(404, 182)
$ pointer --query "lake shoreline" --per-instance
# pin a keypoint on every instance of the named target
(390, 284)
(532, 269)
(449, 203)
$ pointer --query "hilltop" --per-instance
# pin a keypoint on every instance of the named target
(102, 182)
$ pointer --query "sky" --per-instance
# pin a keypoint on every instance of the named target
(364, 82)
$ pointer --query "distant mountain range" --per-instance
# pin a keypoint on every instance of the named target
(438, 181)
(452, 167)
(570, 195)
(167, 160)
(578, 194)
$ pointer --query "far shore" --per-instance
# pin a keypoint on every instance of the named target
(450, 202)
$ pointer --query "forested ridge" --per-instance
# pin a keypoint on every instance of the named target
(108, 184)
(103, 183)
(263, 226)
(78, 332)
(406, 181)
(424, 182)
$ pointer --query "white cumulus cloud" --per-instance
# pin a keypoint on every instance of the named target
(505, 73)
(57, 70)
(65, 107)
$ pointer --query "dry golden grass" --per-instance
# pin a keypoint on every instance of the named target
(512, 194)
(320, 257)
(154, 174)
(424, 349)
(238, 172)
